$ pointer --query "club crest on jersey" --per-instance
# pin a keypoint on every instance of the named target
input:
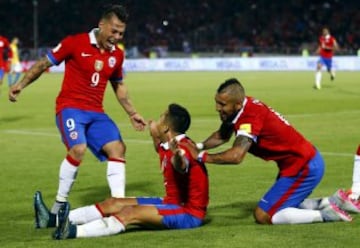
(73, 135)
(98, 65)
(245, 127)
(112, 61)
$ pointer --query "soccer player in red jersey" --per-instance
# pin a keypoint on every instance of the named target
(91, 60)
(5, 52)
(186, 190)
(326, 48)
(266, 134)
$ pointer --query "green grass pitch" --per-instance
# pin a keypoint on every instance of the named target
(31, 151)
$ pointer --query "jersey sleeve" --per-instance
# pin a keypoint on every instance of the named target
(117, 75)
(62, 51)
(251, 122)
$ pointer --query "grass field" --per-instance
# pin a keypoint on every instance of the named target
(31, 151)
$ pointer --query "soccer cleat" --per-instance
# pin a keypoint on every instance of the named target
(342, 199)
(334, 213)
(317, 87)
(65, 229)
(42, 214)
(332, 77)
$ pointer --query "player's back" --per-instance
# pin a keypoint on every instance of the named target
(275, 138)
(190, 189)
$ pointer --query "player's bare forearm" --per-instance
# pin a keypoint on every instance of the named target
(233, 155)
(35, 72)
(214, 140)
(122, 96)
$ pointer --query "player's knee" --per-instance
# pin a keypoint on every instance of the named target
(78, 151)
(261, 217)
(115, 149)
(127, 215)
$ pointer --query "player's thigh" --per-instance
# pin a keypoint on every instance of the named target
(102, 131)
(71, 124)
(145, 215)
(115, 205)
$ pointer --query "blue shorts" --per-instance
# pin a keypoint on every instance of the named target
(174, 216)
(325, 61)
(2, 73)
(87, 127)
(291, 191)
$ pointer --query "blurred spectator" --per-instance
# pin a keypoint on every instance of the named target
(208, 25)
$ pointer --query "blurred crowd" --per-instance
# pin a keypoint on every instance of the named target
(193, 26)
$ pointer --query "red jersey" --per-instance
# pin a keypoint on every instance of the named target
(325, 43)
(189, 189)
(5, 52)
(87, 71)
(274, 138)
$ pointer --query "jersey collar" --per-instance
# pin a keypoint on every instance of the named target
(166, 145)
(240, 111)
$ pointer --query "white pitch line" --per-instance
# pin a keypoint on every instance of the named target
(31, 133)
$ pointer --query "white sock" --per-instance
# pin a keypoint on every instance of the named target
(84, 215)
(116, 178)
(315, 204)
(67, 176)
(355, 188)
(101, 227)
(318, 79)
(332, 73)
(296, 216)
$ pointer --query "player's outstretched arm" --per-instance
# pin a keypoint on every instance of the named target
(30, 76)
(233, 155)
(214, 140)
(122, 95)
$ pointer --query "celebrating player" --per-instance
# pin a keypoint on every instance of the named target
(264, 133)
(326, 48)
(186, 187)
(91, 60)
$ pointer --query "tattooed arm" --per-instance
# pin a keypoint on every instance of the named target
(30, 76)
(233, 155)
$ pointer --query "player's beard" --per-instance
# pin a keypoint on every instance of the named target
(227, 126)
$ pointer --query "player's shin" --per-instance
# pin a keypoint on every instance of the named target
(355, 188)
(67, 176)
(116, 177)
(84, 215)
(102, 227)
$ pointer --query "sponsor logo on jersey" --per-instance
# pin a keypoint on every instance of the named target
(98, 65)
(245, 127)
(112, 61)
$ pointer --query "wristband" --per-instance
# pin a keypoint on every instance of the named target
(200, 146)
(202, 156)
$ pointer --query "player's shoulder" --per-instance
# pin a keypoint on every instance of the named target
(78, 38)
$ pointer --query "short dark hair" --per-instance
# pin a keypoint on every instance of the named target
(179, 118)
(115, 9)
(227, 83)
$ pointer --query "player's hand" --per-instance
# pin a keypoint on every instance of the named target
(138, 122)
(191, 148)
(14, 91)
